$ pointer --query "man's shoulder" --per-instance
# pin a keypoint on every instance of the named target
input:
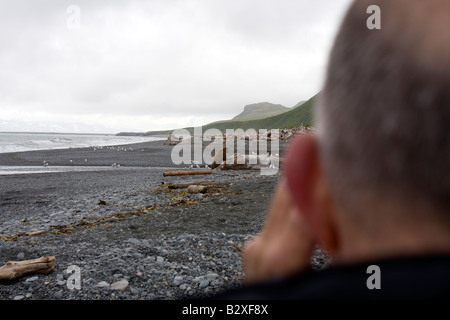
(418, 277)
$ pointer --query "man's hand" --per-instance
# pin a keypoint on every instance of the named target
(285, 244)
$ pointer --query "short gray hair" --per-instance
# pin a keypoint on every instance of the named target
(384, 114)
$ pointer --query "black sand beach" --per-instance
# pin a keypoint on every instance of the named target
(131, 236)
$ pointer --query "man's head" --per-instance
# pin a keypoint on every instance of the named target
(382, 160)
(384, 116)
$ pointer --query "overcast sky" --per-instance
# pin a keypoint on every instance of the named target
(131, 65)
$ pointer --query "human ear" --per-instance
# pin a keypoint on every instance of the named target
(310, 192)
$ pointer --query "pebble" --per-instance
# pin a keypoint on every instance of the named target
(203, 284)
(121, 285)
(134, 290)
(102, 284)
(134, 241)
(212, 276)
(31, 279)
(183, 286)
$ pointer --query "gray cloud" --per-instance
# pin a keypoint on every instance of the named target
(160, 64)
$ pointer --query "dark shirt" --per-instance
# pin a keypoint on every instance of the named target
(425, 277)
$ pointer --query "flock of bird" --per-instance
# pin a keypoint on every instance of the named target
(115, 148)
(45, 163)
(194, 164)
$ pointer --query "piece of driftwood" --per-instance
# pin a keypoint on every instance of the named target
(183, 185)
(35, 233)
(186, 172)
(16, 269)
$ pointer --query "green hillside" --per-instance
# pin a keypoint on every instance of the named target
(294, 118)
(260, 111)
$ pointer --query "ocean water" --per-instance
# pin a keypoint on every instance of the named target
(10, 170)
(17, 142)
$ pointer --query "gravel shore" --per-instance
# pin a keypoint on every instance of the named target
(129, 234)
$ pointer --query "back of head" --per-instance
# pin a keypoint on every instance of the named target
(384, 114)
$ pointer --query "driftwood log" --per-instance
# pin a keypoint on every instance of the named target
(186, 172)
(184, 185)
(35, 233)
(16, 269)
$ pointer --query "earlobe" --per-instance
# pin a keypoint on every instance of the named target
(310, 193)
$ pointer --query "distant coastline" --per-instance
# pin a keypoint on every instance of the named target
(59, 133)
(156, 134)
